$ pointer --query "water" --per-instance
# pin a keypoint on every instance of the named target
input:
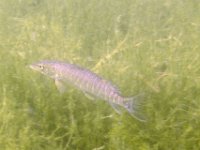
(142, 46)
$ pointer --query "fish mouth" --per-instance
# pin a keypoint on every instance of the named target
(30, 66)
(34, 67)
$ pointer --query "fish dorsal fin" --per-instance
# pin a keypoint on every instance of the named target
(116, 107)
(60, 86)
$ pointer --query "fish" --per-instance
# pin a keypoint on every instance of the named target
(93, 85)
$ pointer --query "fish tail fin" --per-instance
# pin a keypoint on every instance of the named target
(133, 106)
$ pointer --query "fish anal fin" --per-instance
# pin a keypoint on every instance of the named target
(116, 107)
(60, 86)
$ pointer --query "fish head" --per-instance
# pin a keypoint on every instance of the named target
(45, 68)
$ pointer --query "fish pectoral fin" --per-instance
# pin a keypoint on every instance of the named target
(60, 86)
(89, 96)
(116, 107)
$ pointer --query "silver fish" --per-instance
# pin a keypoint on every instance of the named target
(88, 82)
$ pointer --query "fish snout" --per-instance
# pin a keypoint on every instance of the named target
(34, 67)
(30, 66)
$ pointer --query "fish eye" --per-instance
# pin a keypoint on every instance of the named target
(41, 67)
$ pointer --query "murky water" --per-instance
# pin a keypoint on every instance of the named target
(142, 46)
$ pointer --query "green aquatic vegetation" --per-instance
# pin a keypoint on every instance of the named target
(142, 46)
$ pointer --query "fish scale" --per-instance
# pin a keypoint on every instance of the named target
(87, 81)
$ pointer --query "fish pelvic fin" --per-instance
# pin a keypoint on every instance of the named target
(60, 86)
(133, 106)
(89, 96)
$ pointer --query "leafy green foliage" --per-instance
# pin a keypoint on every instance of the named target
(141, 45)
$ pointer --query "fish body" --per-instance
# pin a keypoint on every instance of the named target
(88, 82)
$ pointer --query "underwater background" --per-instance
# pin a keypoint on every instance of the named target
(143, 46)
